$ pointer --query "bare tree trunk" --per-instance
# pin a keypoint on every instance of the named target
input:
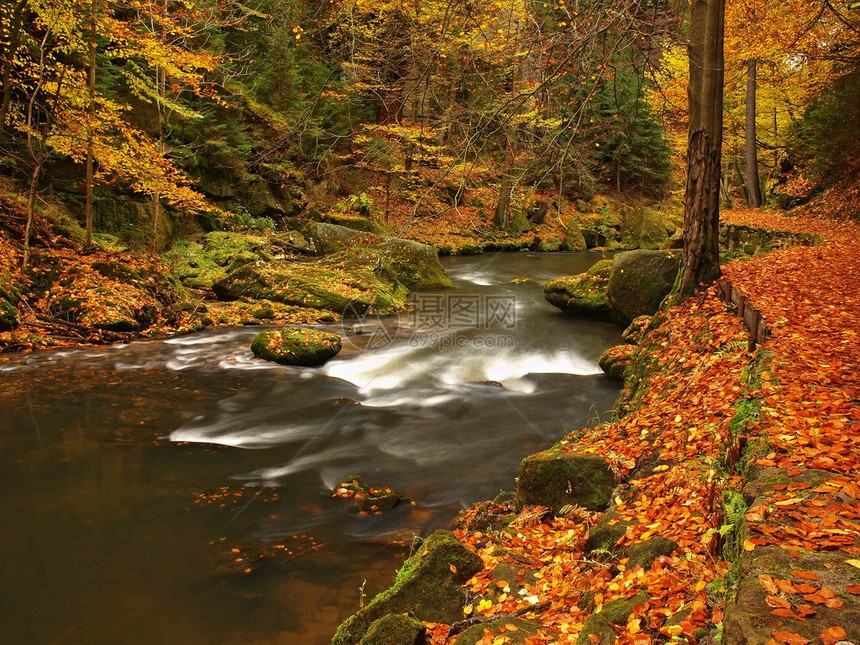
(160, 82)
(752, 178)
(31, 214)
(701, 253)
(91, 115)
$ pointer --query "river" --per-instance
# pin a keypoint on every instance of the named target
(179, 490)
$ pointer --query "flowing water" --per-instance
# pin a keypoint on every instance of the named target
(179, 491)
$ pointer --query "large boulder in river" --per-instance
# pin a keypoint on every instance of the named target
(428, 586)
(349, 282)
(582, 295)
(301, 346)
(416, 265)
(557, 479)
(639, 281)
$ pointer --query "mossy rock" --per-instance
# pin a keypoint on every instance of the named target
(395, 629)
(604, 535)
(644, 554)
(613, 613)
(428, 586)
(202, 263)
(556, 479)
(638, 283)
(301, 346)
(573, 239)
(748, 618)
(414, 265)
(636, 329)
(644, 228)
(9, 318)
(616, 360)
(582, 295)
(524, 631)
(349, 282)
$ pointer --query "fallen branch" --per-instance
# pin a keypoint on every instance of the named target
(463, 625)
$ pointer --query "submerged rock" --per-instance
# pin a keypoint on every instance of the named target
(301, 346)
(582, 295)
(556, 479)
(639, 281)
(367, 499)
(428, 585)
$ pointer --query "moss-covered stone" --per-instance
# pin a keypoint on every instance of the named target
(429, 586)
(350, 282)
(415, 265)
(296, 346)
(639, 281)
(582, 295)
(604, 535)
(613, 613)
(573, 239)
(9, 318)
(200, 263)
(636, 329)
(644, 554)
(525, 629)
(556, 479)
(748, 617)
(615, 361)
(395, 629)
(643, 228)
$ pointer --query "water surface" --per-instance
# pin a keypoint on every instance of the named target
(133, 477)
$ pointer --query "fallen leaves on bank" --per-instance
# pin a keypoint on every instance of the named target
(675, 454)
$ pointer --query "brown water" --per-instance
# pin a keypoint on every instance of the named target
(130, 474)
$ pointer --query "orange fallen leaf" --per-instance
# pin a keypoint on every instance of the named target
(805, 575)
(453, 568)
(778, 601)
(790, 638)
(832, 635)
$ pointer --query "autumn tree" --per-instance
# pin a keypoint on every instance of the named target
(701, 252)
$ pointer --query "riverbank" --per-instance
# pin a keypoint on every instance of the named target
(735, 514)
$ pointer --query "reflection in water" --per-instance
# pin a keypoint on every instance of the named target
(131, 474)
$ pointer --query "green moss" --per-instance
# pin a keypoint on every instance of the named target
(394, 629)
(9, 318)
(556, 479)
(429, 586)
(613, 613)
(583, 294)
(296, 346)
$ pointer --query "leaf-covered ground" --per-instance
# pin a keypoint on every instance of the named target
(705, 412)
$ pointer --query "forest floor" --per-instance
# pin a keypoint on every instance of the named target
(748, 462)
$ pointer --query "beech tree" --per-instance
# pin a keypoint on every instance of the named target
(700, 262)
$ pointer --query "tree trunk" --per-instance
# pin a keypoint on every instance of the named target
(701, 253)
(752, 179)
(91, 117)
(161, 84)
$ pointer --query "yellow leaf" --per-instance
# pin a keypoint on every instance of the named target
(748, 545)
(853, 563)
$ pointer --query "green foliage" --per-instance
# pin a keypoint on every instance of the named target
(827, 137)
(631, 151)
